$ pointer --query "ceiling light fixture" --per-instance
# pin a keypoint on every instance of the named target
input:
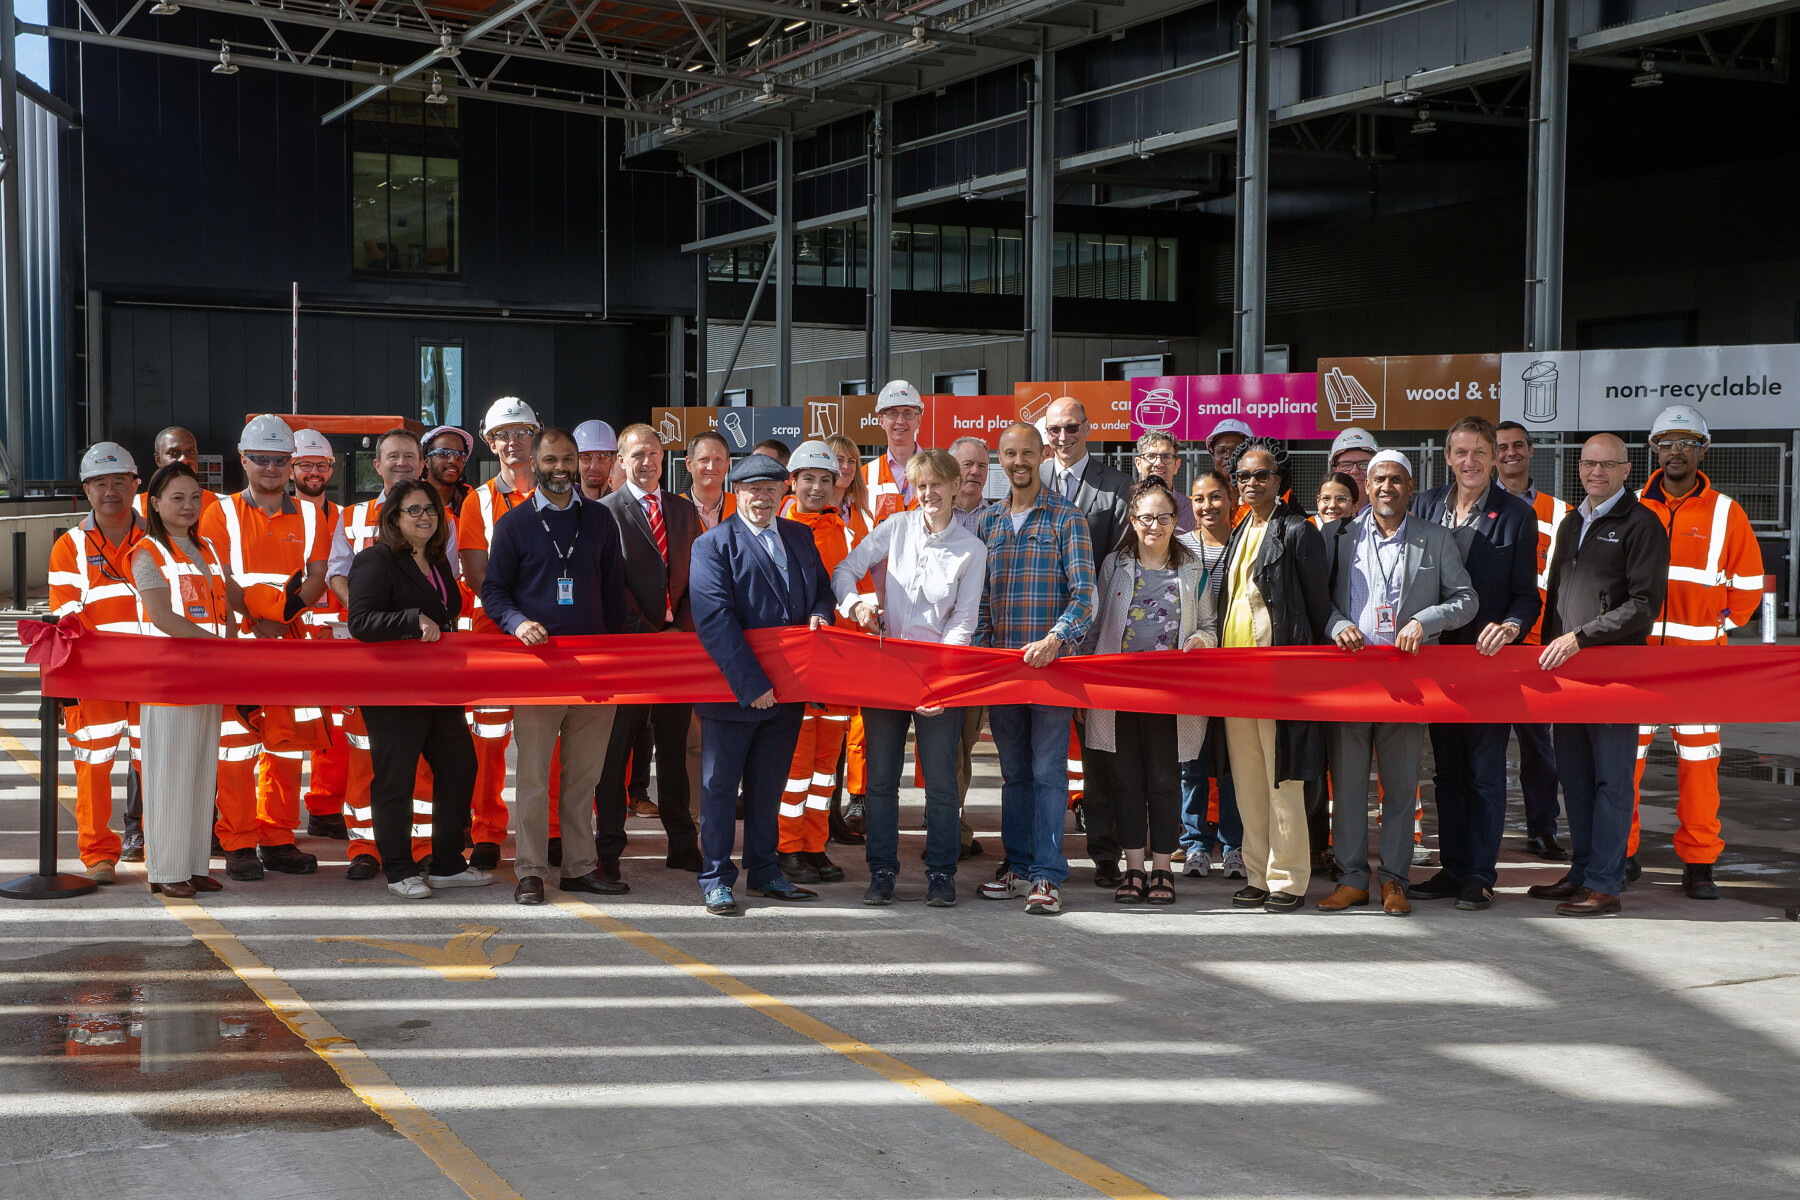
(1405, 97)
(1649, 76)
(436, 95)
(918, 40)
(447, 45)
(767, 95)
(755, 41)
(793, 25)
(162, 8)
(696, 67)
(1424, 124)
(225, 66)
(677, 128)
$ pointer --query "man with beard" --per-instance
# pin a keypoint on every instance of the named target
(447, 451)
(598, 449)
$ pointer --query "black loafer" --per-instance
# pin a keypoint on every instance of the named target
(684, 860)
(1108, 875)
(529, 891)
(1284, 902)
(1546, 848)
(1439, 887)
(594, 883)
(1474, 898)
(1249, 897)
(1632, 869)
(608, 869)
(1562, 889)
(555, 852)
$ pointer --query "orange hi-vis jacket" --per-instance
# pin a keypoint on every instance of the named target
(1550, 514)
(727, 506)
(196, 590)
(475, 531)
(261, 551)
(90, 578)
(326, 610)
(887, 496)
(1715, 565)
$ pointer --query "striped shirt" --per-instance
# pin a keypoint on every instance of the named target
(1040, 577)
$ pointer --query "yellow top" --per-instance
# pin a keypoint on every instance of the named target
(1240, 619)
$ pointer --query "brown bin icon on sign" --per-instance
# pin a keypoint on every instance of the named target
(1347, 398)
(1540, 391)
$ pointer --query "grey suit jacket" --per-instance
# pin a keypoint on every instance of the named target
(1437, 592)
(1101, 499)
(647, 581)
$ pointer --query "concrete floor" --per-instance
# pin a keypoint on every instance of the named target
(1194, 1051)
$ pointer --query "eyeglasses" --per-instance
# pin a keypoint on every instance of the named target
(907, 413)
(312, 468)
(1065, 430)
(1679, 444)
(1165, 456)
(1603, 464)
(1261, 475)
(1147, 520)
(268, 460)
(415, 511)
(513, 435)
(447, 453)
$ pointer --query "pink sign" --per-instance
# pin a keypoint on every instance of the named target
(1189, 407)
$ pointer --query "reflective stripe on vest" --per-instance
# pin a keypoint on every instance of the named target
(175, 566)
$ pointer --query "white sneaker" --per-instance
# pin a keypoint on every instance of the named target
(1045, 898)
(1003, 887)
(412, 888)
(1421, 854)
(1234, 864)
(1198, 864)
(468, 877)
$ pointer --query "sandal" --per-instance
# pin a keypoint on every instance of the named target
(1161, 889)
(1132, 891)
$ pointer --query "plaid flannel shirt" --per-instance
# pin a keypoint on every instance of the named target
(1040, 580)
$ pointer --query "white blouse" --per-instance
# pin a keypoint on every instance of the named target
(932, 592)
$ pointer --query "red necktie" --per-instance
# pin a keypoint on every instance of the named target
(656, 527)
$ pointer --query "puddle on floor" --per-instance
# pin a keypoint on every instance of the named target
(189, 1024)
(1735, 764)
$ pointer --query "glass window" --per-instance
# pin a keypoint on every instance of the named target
(750, 261)
(836, 262)
(1142, 264)
(440, 383)
(1165, 268)
(719, 265)
(405, 186)
(1010, 246)
(1062, 266)
(900, 258)
(368, 197)
(809, 263)
(1090, 263)
(954, 259)
(981, 261)
(925, 258)
(1116, 248)
(860, 276)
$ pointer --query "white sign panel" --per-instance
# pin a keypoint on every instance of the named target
(1734, 387)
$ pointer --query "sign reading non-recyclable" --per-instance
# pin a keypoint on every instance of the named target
(1412, 392)
(1734, 387)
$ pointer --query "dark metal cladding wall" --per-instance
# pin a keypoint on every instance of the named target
(1197, 99)
(995, 94)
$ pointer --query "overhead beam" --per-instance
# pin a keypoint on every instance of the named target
(452, 42)
(742, 199)
(899, 28)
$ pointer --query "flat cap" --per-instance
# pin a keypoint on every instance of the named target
(753, 468)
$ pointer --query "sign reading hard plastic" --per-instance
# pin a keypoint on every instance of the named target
(1412, 391)
(1188, 407)
(1734, 387)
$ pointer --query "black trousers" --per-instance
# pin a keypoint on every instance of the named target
(1103, 843)
(1146, 783)
(669, 727)
(398, 737)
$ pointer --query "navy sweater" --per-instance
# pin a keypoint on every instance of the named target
(523, 568)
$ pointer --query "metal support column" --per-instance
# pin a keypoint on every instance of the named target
(1040, 221)
(1549, 138)
(784, 268)
(700, 371)
(880, 301)
(13, 295)
(1253, 190)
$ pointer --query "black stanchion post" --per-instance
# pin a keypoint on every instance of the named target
(48, 883)
(20, 566)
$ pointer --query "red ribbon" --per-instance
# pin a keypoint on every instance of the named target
(47, 642)
(1619, 684)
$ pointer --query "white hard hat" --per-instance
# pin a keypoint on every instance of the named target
(107, 458)
(595, 437)
(267, 434)
(310, 443)
(813, 456)
(1681, 418)
(897, 394)
(508, 410)
(1353, 438)
(1229, 425)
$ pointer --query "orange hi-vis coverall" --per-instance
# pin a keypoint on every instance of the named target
(806, 801)
(492, 727)
(259, 793)
(1550, 514)
(90, 584)
(326, 780)
(1715, 584)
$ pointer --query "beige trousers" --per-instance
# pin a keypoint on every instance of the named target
(1277, 853)
(585, 730)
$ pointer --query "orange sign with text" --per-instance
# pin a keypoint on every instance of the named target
(1108, 404)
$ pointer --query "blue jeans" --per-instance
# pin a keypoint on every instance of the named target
(1195, 835)
(1596, 764)
(1471, 798)
(1033, 743)
(939, 743)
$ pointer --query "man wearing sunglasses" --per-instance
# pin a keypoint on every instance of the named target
(1099, 493)
(447, 451)
(276, 549)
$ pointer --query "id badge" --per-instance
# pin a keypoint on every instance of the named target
(565, 591)
(1384, 620)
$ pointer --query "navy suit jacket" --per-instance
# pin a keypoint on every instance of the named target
(1499, 548)
(733, 586)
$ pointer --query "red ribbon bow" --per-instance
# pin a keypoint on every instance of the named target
(47, 642)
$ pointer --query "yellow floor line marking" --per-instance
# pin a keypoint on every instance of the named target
(28, 762)
(370, 1084)
(1040, 1146)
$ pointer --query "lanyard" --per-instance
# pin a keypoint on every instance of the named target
(1390, 581)
(437, 583)
(565, 556)
(106, 567)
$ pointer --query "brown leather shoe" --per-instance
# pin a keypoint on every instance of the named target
(180, 889)
(1562, 889)
(205, 883)
(1393, 898)
(1589, 903)
(1344, 897)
